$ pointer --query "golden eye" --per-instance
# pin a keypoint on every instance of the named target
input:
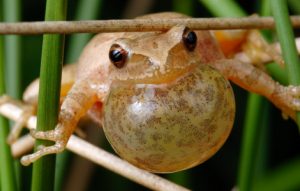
(118, 55)
(189, 39)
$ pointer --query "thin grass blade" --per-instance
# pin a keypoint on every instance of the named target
(7, 171)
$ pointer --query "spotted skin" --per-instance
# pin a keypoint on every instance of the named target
(170, 127)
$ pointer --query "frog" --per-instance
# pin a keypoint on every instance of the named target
(163, 98)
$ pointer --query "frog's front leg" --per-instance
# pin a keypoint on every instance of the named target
(80, 98)
(286, 98)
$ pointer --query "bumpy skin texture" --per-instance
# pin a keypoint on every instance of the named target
(170, 127)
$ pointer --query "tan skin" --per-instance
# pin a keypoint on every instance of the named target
(149, 58)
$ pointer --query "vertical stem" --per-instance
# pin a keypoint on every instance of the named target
(287, 42)
(11, 11)
(87, 10)
(185, 7)
(249, 144)
(12, 56)
(224, 8)
(284, 177)
(294, 6)
(7, 172)
(49, 92)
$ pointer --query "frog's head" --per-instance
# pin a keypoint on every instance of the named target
(154, 57)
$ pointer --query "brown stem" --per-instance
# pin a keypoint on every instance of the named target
(67, 27)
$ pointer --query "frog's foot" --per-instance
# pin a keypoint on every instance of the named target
(58, 147)
(288, 99)
(292, 95)
(27, 112)
(259, 51)
(55, 135)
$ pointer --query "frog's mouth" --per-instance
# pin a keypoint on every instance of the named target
(165, 75)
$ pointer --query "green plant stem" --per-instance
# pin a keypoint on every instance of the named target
(49, 93)
(285, 177)
(278, 73)
(12, 56)
(224, 8)
(87, 10)
(11, 13)
(7, 172)
(185, 7)
(253, 157)
(249, 142)
(263, 137)
(287, 42)
(294, 6)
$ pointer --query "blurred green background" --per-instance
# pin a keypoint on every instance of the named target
(275, 161)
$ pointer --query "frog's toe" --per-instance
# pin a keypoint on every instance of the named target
(294, 90)
(293, 97)
(295, 104)
(45, 135)
(42, 151)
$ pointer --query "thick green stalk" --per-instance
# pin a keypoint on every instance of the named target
(287, 42)
(49, 93)
(11, 13)
(7, 172)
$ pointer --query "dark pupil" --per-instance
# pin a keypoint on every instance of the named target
(115, 56)
(190, 40)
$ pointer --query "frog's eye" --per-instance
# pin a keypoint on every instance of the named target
(189, 39)
(117, 55)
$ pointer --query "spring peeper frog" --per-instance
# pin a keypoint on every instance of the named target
(162, 98)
